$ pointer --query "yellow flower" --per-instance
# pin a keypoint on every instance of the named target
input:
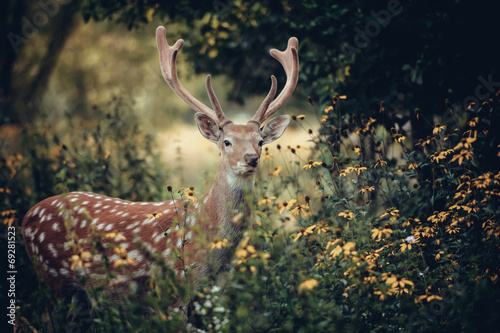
(286, 204)
(378, 233)
(8, 217)
(322, 228)
(336, 251)
(349, 248)
(155, 215)
(347, 214)
(399, 137)
(307, 285)
(328, 108)
(266, 201)
(116, 235)
(381, 295)
(357, 150)
(301, 209)
(311, 164)
(78, 259)
(367, 189)
(452, 229)
(465, 143)
(380, 163)
(437, 156)
(190, 192)
(304, 232)
(124, 259)
(467, 154)
(413, 166)
(407, 243)
(218, 244)
(438, 128)
(428, 297)
(398, 281)
(242, 253)
(358, 168)
(390, 211)
(324, 118)
(299, 117)
(267, 156)
(277, 170)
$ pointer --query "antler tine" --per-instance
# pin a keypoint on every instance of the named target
(289, 59)
(219, 114)
(168, 56)
(259, 115)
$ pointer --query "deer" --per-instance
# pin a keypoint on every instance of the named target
(221, 213)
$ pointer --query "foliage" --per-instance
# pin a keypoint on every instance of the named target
(359, 232)
(110, 156)
(380, 247)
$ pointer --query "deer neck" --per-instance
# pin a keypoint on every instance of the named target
(229, 211)
(229, 196)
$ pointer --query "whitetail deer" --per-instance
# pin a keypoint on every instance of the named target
(47, 226)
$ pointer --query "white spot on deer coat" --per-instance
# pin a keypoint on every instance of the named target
(132, 226)
(55, 226)
(74, 200)
(191, 220)
(158, 238)
(52, 250)
(53, 272)
(42, 237)
(97, 205)
(108, 227)
(166, 252)
(134, 254)
(63, 271)
(114, 257)
(148, 221)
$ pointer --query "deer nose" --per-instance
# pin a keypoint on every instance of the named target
(252, 160)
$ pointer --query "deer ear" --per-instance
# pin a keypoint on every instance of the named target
(208, 127)
(274, 128)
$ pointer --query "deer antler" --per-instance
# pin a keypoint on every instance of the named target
(168, 56)
(289, 59)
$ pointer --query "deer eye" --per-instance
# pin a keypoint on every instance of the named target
(261, 143)
(227, 143)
